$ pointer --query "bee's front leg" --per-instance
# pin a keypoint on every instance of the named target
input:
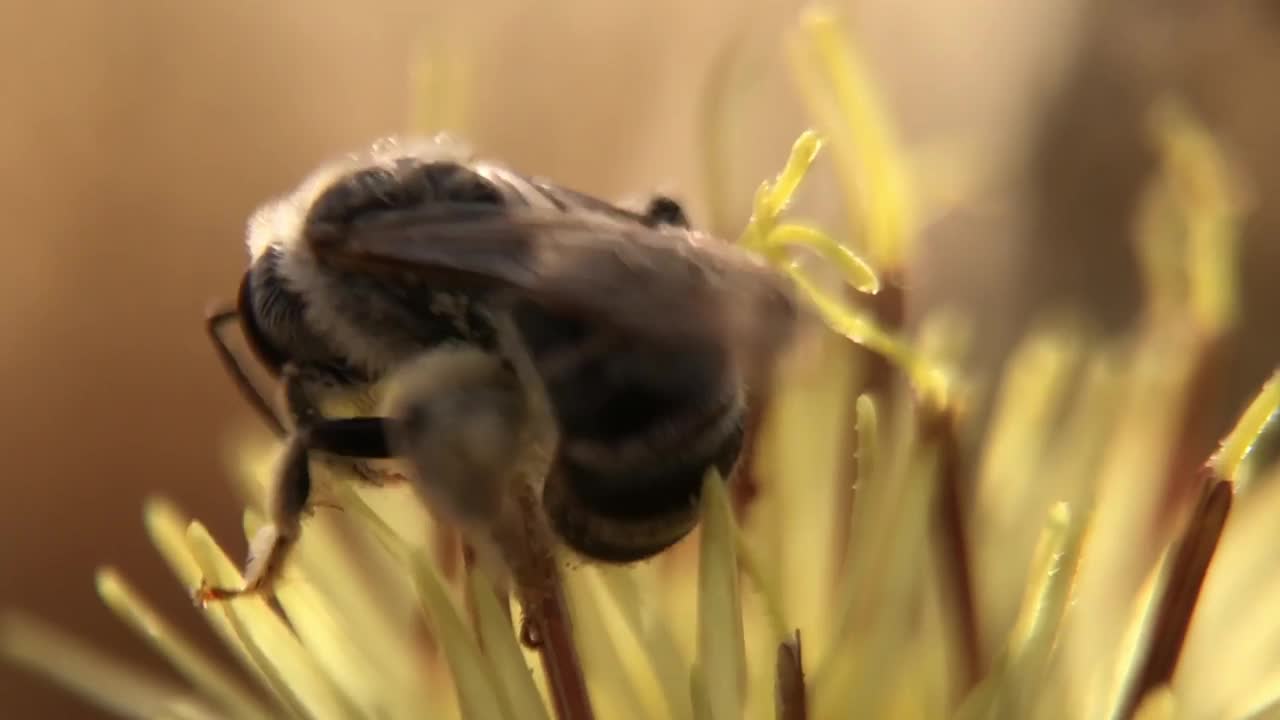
(290, 492)
(271, 544)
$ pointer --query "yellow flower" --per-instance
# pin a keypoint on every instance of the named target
(1078, 567)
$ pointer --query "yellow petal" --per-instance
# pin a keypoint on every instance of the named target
(721, 654)
(287, 667)
(199, 669)
(107, 682)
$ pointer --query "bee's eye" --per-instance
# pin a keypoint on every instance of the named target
(269, 312)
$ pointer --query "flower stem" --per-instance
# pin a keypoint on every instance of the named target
(938, 428)
(889, 309)
(791, 700)
(1189, 563)
(528, 544)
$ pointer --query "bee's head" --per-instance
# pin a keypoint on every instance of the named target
(394, 173)
(254, 323)
(284, 285)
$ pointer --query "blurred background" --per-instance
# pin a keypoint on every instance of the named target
(137, 137)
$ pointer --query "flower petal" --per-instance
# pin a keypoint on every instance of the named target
(105, 681)
(199, 669)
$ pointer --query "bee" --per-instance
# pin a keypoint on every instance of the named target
(382, 279)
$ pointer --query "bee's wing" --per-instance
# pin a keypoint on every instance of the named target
(657, 284)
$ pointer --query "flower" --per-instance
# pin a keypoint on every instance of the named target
(1078, 567)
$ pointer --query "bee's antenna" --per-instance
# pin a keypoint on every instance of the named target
(217, 317)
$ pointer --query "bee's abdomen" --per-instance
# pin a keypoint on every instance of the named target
(640, 428)
(629, 514)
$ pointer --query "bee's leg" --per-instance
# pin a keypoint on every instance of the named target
(271, 544)
(289, 501)
(542, 427)
(215, 320)
(346, 441)
(363, 438)
(290, 492)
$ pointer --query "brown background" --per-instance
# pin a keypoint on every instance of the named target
(136, 137)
